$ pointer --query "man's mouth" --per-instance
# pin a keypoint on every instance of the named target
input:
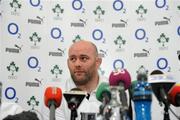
(79, 72)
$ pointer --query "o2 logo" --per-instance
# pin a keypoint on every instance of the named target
(118, 63)
(97, 35)
(33, 63)
(57, 34)
(140, 34)
(10, 93)
(13, 29)
(36, 3)
(118, 5)
(161, 4)
(78, 5)
(178, 30)
(162, 63)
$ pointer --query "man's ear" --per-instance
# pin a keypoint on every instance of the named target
(99, 61)
(67, 62)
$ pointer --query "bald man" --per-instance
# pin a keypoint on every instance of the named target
(83, 63)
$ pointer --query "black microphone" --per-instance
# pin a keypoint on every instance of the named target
(161, 84)
(74, 99)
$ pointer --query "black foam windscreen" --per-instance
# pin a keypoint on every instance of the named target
(156, 72)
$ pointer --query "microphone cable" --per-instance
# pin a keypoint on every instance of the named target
(178, 117)
(130, 113)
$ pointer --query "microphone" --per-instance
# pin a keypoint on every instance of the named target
(174, 95)
(52, 99)
(120, 77)
(74, 99)
(142, 95)
(161, 84)
(122, 80)
(103, 94)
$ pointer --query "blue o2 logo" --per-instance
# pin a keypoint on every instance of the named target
(97, 34)
(33, 62)
(118, 5)
(34, 3)
(10, 93)
(56, 33)
(13, 28)
(162, 63)
(118, 64)
(178, 30)
(77, 4)
(140, 34)
(160, 3)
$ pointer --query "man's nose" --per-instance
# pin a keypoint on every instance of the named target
(78, 63)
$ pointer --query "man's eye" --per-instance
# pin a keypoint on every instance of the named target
(84, 59)
(72, 59)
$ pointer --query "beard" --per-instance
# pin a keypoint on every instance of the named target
(83, 80)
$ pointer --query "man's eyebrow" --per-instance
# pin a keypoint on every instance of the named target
(72, 55)
(83, 55)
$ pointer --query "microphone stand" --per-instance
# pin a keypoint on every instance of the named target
(124, 114)
(166, 113)
(73, 114)
(105, 110)
(123, 98)
(166, 104)
(52, 110)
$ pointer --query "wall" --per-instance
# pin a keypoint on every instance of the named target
(35, 36)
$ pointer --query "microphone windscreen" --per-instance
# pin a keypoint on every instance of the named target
(120, 75)
(53, 94)
(74, 97)
(156, 72)
(174, 95)
(103, 88)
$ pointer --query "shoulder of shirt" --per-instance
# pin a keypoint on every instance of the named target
(10, 108)
(103, 79)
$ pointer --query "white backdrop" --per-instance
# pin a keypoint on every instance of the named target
(35, 36)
